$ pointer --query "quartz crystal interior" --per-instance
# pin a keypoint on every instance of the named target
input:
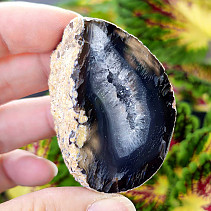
(113, 106)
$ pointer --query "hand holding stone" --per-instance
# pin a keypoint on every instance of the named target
(28, 35)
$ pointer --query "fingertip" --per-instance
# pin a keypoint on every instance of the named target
(24, 168)
(32, 122)
(52, 165)
(70, 198)
(50, 120)
(118, 202)
(38, 27)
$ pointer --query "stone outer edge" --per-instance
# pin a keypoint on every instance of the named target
(63, 61)
(68, 118)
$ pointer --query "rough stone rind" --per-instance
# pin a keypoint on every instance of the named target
(69, 119)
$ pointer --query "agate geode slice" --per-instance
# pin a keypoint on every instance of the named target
(113, 106)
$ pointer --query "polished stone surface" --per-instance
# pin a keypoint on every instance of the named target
(122, 102)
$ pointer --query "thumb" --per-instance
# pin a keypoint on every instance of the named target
(69, 199)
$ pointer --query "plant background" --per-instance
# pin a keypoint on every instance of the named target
(178, 32)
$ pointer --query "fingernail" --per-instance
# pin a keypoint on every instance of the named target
(117, 203)
(54, 167)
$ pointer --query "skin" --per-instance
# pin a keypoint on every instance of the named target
(28, 35)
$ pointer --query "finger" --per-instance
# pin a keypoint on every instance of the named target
(22, 75)
(31, 28)
(23, 168)
(71, 199)
(24, 121)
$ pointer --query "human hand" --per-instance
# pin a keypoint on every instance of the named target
(28, 34)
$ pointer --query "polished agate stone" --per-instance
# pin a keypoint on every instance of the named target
(113, 106)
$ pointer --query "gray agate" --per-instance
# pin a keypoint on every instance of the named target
(113, 106)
